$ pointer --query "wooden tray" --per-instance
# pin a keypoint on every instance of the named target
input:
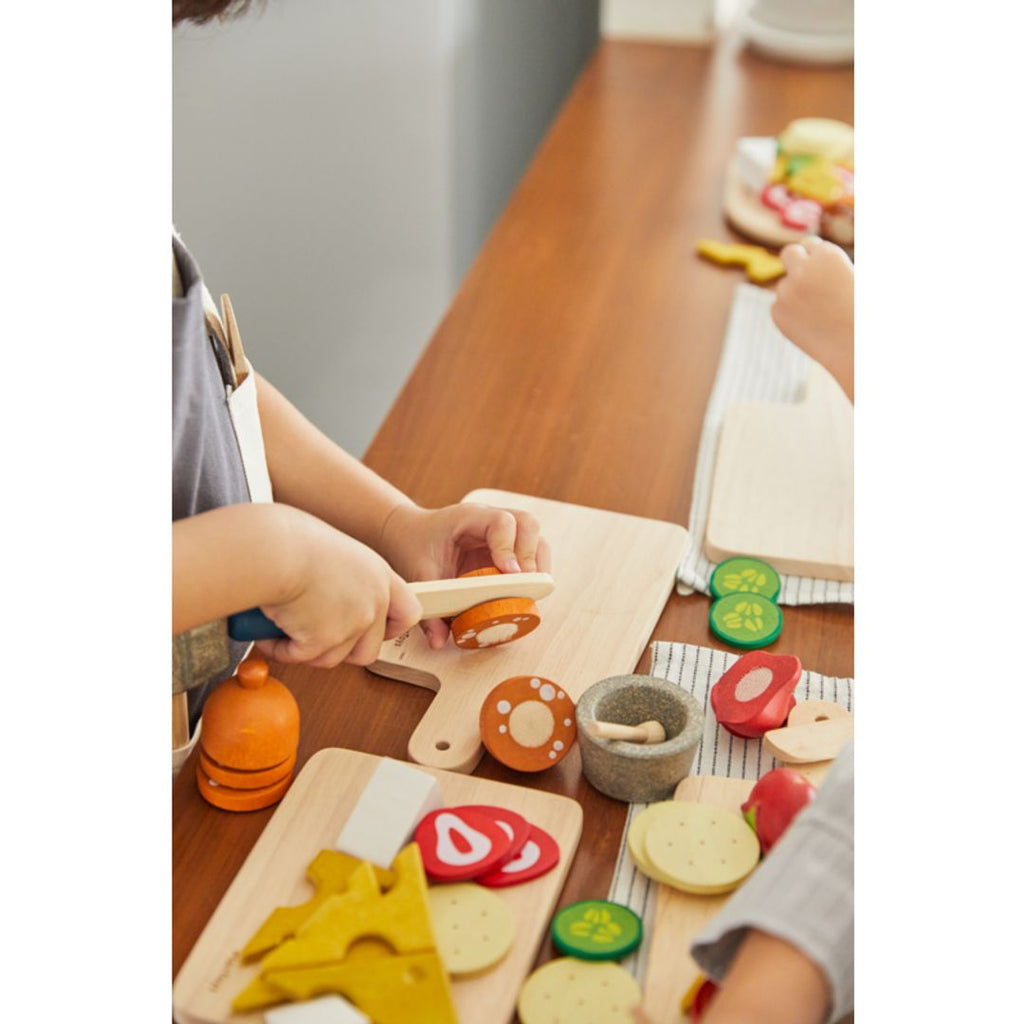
(783, 484)
(679, 916)
(309, 820)
(613, 574)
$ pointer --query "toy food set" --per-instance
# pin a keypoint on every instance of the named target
(249, 740)
(760, 265)
(528, 723)
(596, 622)
(756, 694)
(815, 731)
(779, 190)
(446, 930)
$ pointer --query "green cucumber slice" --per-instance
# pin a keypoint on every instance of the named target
(745, 576)
(596, 930)
(745, 620)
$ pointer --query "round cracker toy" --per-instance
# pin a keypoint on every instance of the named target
(701, 849)
(528, 723)
(473, 926)
(636, 838)
(595, 991)
(494, 622)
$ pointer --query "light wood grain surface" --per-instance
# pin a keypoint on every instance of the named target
(575, 363)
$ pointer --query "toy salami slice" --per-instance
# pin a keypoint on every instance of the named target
(515, 826)
(459, 843)
(537, 857)
(756, 694)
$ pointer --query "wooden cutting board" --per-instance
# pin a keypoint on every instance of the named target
(679, 916)
(783, 483)
(744, 210)
(308, 820)
(613, 574)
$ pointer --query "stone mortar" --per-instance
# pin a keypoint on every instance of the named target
(638, 772)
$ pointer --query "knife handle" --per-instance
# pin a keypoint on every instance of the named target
(253, 625)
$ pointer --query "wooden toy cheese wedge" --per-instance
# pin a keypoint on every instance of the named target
(473, 926)
(756, 693)
(494, 623)
(816, 731)
(702, 849)
(528, 723)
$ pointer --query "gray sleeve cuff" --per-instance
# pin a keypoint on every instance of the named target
(801, 892)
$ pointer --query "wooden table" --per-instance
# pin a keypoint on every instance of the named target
(575, 363)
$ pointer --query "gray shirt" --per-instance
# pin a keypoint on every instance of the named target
(802, 892)
(207, 464)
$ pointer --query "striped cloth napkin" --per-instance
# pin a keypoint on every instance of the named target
(758, 364)
(697, 669)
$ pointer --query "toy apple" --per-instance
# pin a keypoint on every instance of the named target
(775, 800)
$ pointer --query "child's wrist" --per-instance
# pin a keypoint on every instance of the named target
(385, 545)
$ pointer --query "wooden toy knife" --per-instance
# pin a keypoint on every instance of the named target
(439, 599)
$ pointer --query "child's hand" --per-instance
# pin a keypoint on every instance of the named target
(814, 305)
(432, 544)
(344, 602)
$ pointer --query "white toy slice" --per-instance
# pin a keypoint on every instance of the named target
(394, 801)
(324, 1010)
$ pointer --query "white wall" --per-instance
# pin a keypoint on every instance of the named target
(337, 164)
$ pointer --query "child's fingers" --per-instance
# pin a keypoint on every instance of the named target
(527, 540)
(404, 610)
(792, 256)
(543, 555)
(500, 536)
(436, 632)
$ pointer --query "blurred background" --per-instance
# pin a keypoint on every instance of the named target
(337, 165)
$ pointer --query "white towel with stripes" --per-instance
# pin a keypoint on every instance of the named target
(758, 364)
(697, 669)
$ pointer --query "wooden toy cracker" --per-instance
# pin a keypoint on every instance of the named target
(459, 843)
(528, 723)
(538, 856)
(571, 991)
(473, 926)
(494, 622)
(701, 849)
(596, 930)
(756, 694)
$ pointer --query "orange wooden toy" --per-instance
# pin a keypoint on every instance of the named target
(249, 740)
(494, 622)
(528, 723)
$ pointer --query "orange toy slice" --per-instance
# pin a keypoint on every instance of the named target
(494, 622)
(227, 798)
(238, 778)
(528, 723)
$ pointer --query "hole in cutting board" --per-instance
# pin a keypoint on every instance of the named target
(442, 744)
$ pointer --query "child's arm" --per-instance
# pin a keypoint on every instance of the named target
(311, 472)
(814, 305)
(770, 981)
(792, 920)
(335, 598)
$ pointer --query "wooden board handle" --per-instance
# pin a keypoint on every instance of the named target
(439, 599)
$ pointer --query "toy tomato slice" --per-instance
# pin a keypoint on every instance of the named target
(459, 843)
(537, 857)
(756, 694)
(776, 799)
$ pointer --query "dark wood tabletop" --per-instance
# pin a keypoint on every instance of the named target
(575, 363)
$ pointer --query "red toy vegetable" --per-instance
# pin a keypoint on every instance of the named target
(756, 694)
(775, 800)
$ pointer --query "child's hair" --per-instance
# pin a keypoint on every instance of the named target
(200, 11)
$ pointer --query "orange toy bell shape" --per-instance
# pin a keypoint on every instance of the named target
(250, 721)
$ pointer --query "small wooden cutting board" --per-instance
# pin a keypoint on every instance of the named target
(613, 574)
(308, 820)
(783, 484)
